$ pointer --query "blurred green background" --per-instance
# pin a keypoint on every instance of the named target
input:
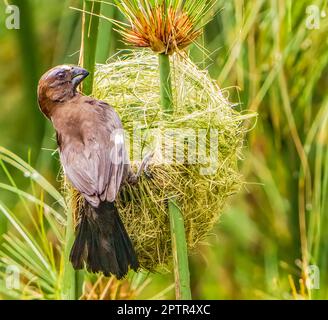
(272, 58)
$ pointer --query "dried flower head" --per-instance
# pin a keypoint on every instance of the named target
(165, 26)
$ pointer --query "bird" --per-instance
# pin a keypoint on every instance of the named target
(91, 147)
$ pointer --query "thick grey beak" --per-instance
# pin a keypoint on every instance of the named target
(78, 75)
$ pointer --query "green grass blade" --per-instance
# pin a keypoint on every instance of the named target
(106, 35)
(180, 252)
(89, 44)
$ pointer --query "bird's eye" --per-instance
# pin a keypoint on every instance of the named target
(61, 75)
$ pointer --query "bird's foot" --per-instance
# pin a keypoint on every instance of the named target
(143, 169)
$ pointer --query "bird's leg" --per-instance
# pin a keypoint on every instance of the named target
(134, 177)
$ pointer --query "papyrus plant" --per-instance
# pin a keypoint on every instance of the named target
(167, 26)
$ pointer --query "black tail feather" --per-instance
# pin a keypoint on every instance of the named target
(78, 251)
(102, 242)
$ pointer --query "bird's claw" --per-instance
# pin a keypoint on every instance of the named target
(143, 169)
(148, 174)
(146, 161)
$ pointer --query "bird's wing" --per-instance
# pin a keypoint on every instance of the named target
(95, 159)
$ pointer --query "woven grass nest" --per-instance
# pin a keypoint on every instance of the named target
(131, 85)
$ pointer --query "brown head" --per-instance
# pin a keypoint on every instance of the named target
(59, 85)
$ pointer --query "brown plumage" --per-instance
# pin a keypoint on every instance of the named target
(94, 159)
